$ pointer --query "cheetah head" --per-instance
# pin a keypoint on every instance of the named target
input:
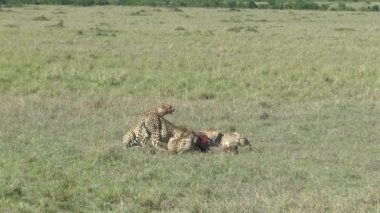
(242, 140)
(165, 109)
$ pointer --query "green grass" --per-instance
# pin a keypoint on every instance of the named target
(292, 56)
(72, 79)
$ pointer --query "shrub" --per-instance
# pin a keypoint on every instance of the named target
(85, 2)
(324, 6)
(100, 2)
(214, 3)
(65, 2)
(350, 9)
(305, 5)
(341, 6)
(206, 96)
(40, 18)
(264, 6)
(177, 3)
(250, 4)
(276, 4)
(369, 8)
(231, 4)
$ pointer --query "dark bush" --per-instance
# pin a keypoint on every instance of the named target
(264, 6)
(324, 6)
(276, 4)
(341, 6)
(249, 4)
(350, 9)
(305, 5)
(101, 2)
(85, 2)
(369, 8)
(231, 4)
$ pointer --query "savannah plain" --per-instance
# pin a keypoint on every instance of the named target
(304, 86)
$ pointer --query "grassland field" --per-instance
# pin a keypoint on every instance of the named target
(72, 79)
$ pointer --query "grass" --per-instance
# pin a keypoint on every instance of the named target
(288, 58)
(303, 86)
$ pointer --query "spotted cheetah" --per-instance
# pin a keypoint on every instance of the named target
(231, 141)
(170, 131)
(214, 135)
(192, 141)
(149, 124)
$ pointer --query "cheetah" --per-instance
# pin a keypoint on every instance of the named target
(214, 135)
(231, 141)
(149, 124)
(192, 141)
(170, 131)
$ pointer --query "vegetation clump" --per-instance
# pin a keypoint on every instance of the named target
(233, 5)
(40, 18)
(58, 25)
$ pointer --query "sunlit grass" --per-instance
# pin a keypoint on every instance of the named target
(72, 79)
(290, 55)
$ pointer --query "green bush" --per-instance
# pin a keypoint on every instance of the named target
(249, 4)
(305, 5)
(341, 6)
(369, 8)
(324, 6)
(276, 4)
(264, 6)
(101, 2)
(231, 3)
(271, 4)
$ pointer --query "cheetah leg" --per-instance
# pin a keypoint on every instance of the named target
(171, 146)
(156, 140)
(144, 137)
(185, 146)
